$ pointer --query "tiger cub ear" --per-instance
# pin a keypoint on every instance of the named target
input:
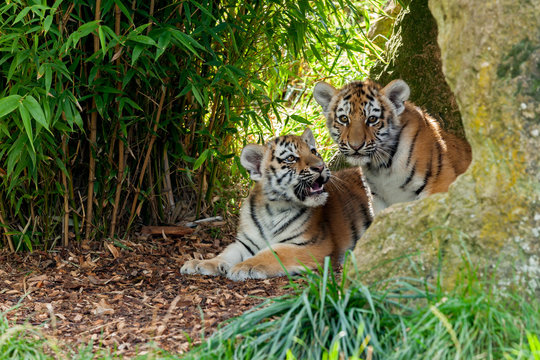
(308, 137)
(397, 92)
(251, 159)
(323, 94)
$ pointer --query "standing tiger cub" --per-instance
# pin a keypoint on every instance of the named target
(403, 152)
(297, 207)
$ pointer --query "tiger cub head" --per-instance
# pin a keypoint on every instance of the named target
(288, 168)
(363, 118)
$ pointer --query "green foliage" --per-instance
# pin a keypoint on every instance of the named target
(174, 92)
(328, 320)
(21, 342)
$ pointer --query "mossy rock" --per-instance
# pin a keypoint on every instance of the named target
(490, 218)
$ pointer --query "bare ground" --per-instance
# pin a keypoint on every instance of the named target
(126, 295)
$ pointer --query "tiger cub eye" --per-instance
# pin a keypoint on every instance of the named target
(343, 119)
(372, 120)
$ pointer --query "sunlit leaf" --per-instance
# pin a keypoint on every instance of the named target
(33, 107)
(8, 104)
(201, 159)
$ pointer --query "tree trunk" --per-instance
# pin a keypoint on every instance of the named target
(414, 56)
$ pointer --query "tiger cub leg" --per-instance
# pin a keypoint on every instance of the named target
(294, 258)
(219, 265)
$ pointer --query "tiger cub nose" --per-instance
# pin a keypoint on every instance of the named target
(356, 147)
(317, 168)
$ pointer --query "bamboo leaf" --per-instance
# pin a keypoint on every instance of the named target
(47, 23)
(48, 78)
(102, 40)
(8, 104)
(300, 120)
(201, 159)
(197, 95)
(33, 107)
(203, 9)
(163, 43)
(87, 29)
(137, 50)
(21, 15)
(142, 39)
(188, 42)
(27, 123)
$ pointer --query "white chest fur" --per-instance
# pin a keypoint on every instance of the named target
(392, 185)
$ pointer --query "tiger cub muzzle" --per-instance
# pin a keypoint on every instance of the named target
(311, 182)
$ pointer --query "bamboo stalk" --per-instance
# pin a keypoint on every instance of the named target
(65, 231)
(121, 161)
(122, 210)
(92, 140)
(149, 28)
(72, 198)
(6, 233)
(156, 216)
(147, 156)
(167, 185)
(120, 178)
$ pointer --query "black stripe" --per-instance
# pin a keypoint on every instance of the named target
(314, 239)
(409, 178)
(291, 237)
(413, 143)
(439, 159)
(367, 215)
(254, 216)
(426, 178)
(289, 222)
(247, 247)
(367, 223)
(280, 179)
(251, 241)
(268, 210)
(354, 233)
(394, 148)
(347, 97)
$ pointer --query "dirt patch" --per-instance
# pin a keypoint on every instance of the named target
(126, 294)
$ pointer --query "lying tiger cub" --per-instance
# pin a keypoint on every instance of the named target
(402, 150)
(297, 207)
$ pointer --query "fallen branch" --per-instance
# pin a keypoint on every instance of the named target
(167, 230)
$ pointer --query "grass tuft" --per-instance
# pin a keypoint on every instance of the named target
(325, 319)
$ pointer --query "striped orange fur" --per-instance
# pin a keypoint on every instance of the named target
(403, 152)
(297, 209)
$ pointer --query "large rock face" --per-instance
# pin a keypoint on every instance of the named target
(490, 218)
(414, 56)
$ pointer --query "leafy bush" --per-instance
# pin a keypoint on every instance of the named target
(114, 111)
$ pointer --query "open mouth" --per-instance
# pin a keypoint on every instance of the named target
(317, 187)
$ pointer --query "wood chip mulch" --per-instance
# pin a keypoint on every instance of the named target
(127, 294)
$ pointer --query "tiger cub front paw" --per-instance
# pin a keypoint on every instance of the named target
(245, 270)
(205, 267)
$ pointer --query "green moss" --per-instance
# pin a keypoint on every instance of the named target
(414, 56)
(511, 62)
